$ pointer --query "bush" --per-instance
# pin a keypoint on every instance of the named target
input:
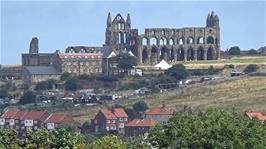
(3, 93)
(140, 106)
(178, 71)
(65, 76)
(28, 97)
(252, 52)
(234, 50)
(43, 85)
(166, 79)
(107, 78)
(72, 84)
(251, 68)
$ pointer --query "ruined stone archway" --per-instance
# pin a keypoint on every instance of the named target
(180, 54)
(200, 53)
(210, 53)
(145, 56)
(172, 55)
(190, 54)
(210, 40)
(164, 53)
(154, 55)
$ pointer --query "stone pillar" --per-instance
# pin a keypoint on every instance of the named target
(140, 55)
(185, 55)
(158, 55)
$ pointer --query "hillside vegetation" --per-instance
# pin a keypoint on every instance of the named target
(247, 93)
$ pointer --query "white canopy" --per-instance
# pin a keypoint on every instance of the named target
(163, 65)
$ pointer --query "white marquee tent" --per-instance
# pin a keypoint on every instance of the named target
(163, 65)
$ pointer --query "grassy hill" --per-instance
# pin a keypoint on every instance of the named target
(247, 93)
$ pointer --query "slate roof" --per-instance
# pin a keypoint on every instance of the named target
(42, 70)
(107, 51)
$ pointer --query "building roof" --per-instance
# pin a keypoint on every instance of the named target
(35, 115)
(108, 114)
(85, 49)
(164, 110)
(80, 55)
(42, 70)
(60, 118)
(258, 115)
(141, 123)
(10, 113)
(120, 112)
(108, 52)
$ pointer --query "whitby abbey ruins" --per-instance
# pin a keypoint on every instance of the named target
(170, 44)
(156, 44)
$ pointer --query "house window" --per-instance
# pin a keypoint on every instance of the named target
(108, 121)
(113, 127)
(125, 119)
(113, 121)
(121, 119)
(107, 128)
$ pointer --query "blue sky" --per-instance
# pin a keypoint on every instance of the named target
(59, 24)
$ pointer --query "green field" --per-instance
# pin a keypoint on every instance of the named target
(248, 93)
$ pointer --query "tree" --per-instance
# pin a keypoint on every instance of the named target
(126, 61)
(140, 106)
(3, 93)
(65, 76)
(8, 138)
(234, 50)
(28, 97)
(166, 79)
(40, 138)
(43, 85)
(137, 143)
(211, 70)
(72, 84)
(210, 129)
(177, 71)
(252, 52)
(108, 142)
(251, 68)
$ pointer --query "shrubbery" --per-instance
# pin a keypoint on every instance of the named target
(251, 68)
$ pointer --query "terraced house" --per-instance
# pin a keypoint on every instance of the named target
(22, 121)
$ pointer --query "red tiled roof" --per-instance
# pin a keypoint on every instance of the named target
(10, 113)
(108, 114)
(19, 115)
(35, 115)
(80, 55)
(258, 115)
(160, 111)
(120, 112)
(60, 118)
(141, 122)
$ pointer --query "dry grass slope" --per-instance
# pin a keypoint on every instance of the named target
(248, 93)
